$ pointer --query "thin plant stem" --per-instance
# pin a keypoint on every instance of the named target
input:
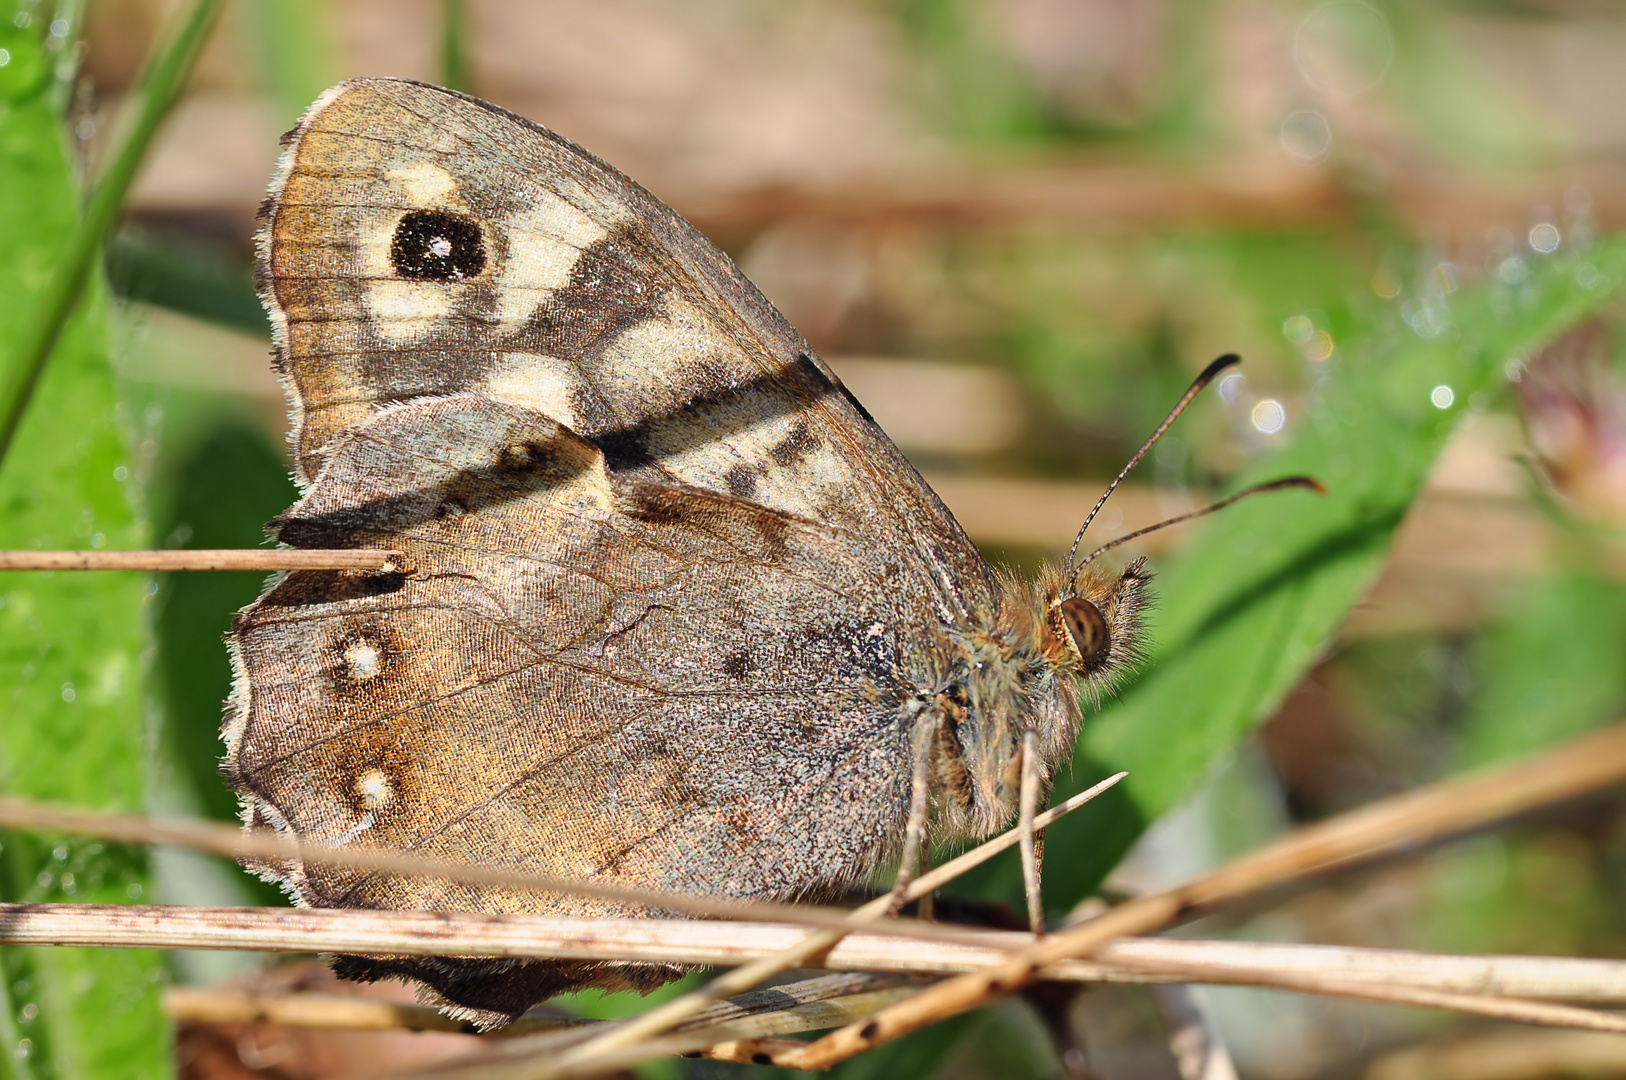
(696, 942)
(266, 560)
(739, 980)
(219, 839)
(159, 86)
(456, 73)
(1577, 768)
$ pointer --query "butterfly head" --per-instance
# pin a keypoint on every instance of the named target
(1091, 626)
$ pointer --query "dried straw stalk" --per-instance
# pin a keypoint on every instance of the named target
(742, 1029)
(265, 560)
(1399, 824)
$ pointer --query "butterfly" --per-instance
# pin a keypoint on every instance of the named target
(673, 611)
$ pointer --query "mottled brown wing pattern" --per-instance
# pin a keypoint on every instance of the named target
(563, 286)
(576, 674)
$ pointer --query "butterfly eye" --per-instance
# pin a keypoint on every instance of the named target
(1088, 629)
(433, 245)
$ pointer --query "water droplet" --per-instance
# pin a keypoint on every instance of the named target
(1230, 387)
(1298, 329)
(1442, 396)
(1544, 237)
(5, 57)
(59, 28)
(28, 1012)
(133, 891)
(1513, 270)
(69, 883)
(1269, 416)
(1306, 137)
(121, 474)
(1386, 283)
(1587, 276)
(68, 692)
(1318, 348)
(1343, 48)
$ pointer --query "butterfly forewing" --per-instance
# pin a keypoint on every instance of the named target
(420, 242)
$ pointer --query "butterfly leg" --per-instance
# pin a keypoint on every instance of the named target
(914, 829)
(1032, 841)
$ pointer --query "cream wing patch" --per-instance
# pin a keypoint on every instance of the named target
(544, 384)
(755, 445)
(683, 347)
(544, 244)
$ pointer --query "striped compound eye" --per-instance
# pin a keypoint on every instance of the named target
(433, 245)
(1088, 629)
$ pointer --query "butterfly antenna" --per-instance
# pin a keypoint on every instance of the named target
(1196, 388)
(1257, 489)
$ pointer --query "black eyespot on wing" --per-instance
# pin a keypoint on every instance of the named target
(433, 245)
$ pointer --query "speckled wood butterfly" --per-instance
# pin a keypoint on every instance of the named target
(673, 612)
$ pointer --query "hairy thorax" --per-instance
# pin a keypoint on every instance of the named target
(1051, 648)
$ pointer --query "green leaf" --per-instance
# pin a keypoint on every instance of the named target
(294, 44)
(1553, 666)
(1257, 597)
(186, 275)
(72, 646)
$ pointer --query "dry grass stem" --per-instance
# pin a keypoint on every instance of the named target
(1516, 1010)
(803, 953)
(335, 1012)
(725, 1029)
(266, 560)
(435, 933)
(728, 944)
(232, 842)
(1405, 822)
(744, 1029)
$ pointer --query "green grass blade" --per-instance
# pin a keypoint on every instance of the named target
(72, 646)
(49, 309)
(293, 42)
(1550, 668)
(1260, 593)
(456, 71)
(187, 275)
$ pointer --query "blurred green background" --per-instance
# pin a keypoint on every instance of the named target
(1017, 228)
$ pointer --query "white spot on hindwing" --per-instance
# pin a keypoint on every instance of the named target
(362, 660)
(374, 790)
